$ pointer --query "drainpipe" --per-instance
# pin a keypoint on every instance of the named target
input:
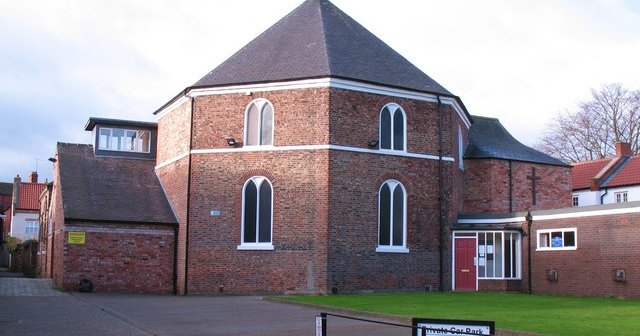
(441, 194)
(529, 219)
(606, 191)
(175, 259)
(510, 186)
(186, 252)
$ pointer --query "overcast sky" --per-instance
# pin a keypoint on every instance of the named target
(64, 61)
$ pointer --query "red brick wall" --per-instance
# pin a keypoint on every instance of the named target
(487, 186)
(120, 258)
(501, 286)
(174, 133)
(604, 243)
(321, 198)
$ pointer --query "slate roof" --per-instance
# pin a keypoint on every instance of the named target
(91, 123)
(6, 188)
(29, 196)
(319, 40)
(488, 139)
(110, 189)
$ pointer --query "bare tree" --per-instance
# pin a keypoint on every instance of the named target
(612, 114)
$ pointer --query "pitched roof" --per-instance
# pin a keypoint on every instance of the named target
(488, 139)
(110, 189)
(319, 40)
(582, 173)
(29, 196)
(6, 188)
(627, 174)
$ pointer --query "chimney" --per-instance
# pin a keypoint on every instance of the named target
(33, 178)
(16, 191)
(623, 148)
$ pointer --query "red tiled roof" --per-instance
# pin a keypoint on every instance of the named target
(629, 174)
(29, 197)
(582, 173)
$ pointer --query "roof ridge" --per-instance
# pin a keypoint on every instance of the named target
(327, 58)
(591, 161)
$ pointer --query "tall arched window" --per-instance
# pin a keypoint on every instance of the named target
(460, 148)
(393, 127)
(392, 217)
(257, 204)
(258, 123)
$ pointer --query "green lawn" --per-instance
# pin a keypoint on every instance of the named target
(548, 315)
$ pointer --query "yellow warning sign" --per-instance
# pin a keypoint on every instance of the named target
(77, 238)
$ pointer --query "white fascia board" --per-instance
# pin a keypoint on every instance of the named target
(492, 220)
(456, 106)
(328, 82)
(587, 213)
(172, 106)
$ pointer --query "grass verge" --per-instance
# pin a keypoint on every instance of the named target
(543, 314)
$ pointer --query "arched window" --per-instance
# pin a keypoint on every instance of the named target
(257, 204)
(393, 128)
(392, 218)
(460, 148)
(258, 123)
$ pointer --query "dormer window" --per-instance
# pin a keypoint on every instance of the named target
(392, 128)
(124, 140)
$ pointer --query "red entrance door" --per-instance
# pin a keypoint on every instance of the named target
(465, 270)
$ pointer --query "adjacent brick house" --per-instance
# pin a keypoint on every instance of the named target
(25, 207)
(108, 220)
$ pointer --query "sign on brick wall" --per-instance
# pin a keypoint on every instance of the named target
(76, 238)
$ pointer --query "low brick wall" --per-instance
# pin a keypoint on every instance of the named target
(120, 258)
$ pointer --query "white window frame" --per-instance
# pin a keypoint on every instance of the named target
(575, 200)
(550, 232)
(393, 109)
(518, 255)
(31, 228)
(393, 248)
(258, 180)
(125, 130)
(260, 104)
(621, 197)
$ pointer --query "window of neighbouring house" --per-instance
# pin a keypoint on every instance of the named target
(557, 239)
(125, 140)
(392, 128)
(31, 229)
(257, 215)
(392, 227)
(621, 197)
(258, 126)
(575, 200)
(498, 255)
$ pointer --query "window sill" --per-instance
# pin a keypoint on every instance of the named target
(256, 247)
(556, 249)
(392, 249)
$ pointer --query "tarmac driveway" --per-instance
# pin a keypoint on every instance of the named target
(28, 309)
